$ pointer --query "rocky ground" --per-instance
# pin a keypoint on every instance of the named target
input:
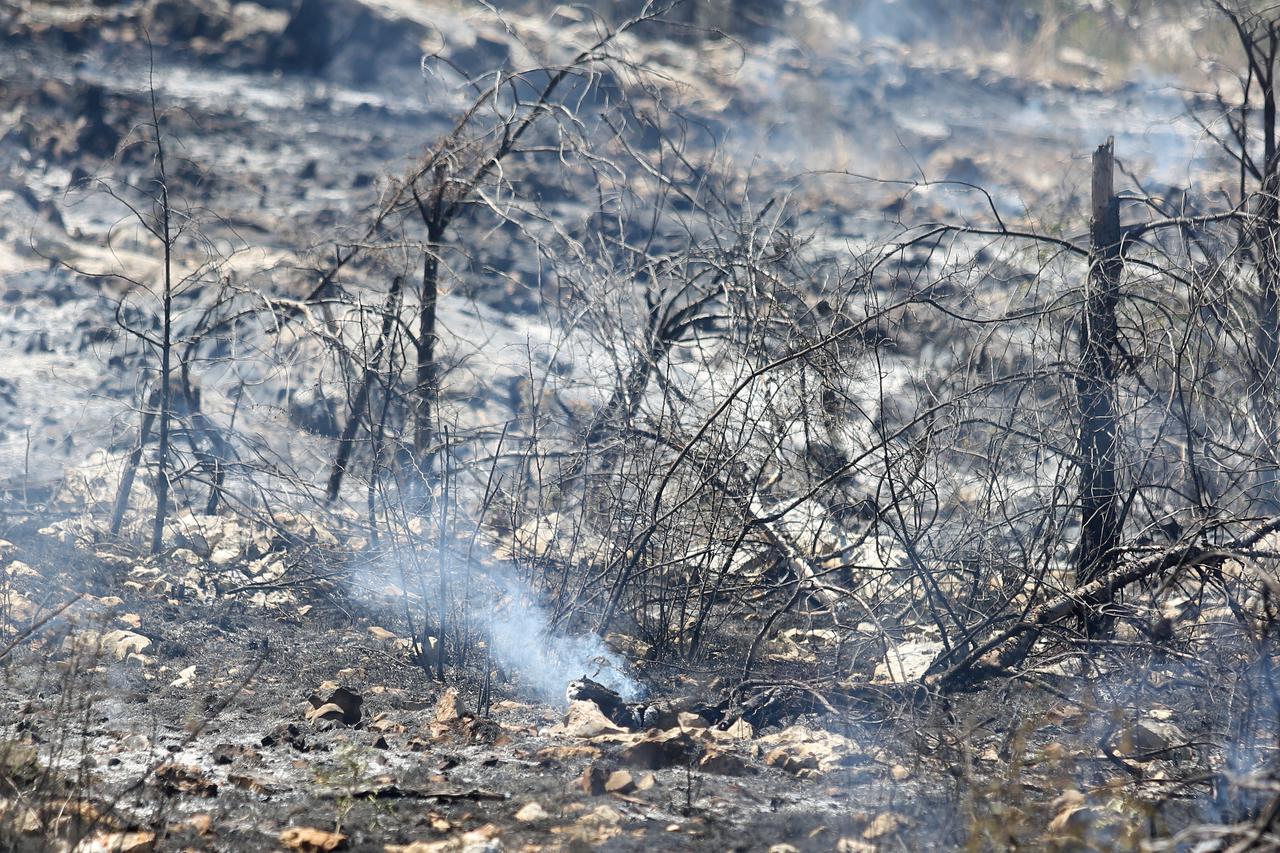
(222, 702)
(286, 136)
(246, 690)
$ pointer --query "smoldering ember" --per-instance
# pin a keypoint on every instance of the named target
(778, 425)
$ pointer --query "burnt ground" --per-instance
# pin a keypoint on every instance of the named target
(142, 709)
(152, 751)
(170, 706)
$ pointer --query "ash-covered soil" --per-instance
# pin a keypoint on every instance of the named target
(173, 706)
(288, 127)
(267, 691)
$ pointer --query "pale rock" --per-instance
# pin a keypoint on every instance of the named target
(739, 731)
(122, 644)
(619, 782)
(853, 845)
(586, 720)
(723, 764)
(328, 712)
(117, 842)
(885, 823)
(567, 752)
(450, 709)
(184, 678)
(312, 840)
(657, 749)
(20, 569)
(907, 661)
(603, 814)
(1149, 736)
(531, 812)
(800, 748)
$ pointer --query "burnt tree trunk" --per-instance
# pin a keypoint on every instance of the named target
(1095, 384)
(1267, 338)
(346, 442)
(426, 346)
(131, 471)
(1258, 31)
(436, 217)
(166, 342)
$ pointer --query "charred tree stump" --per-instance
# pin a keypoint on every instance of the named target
(1095, 385)
(436, 216)
(131, 471)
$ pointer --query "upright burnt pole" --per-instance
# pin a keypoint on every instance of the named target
(1096, 382)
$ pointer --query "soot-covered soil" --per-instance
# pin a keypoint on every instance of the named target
(171, 705)
(189, 721)
(262, 693)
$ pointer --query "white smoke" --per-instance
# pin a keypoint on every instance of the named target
(521, 639)
(509, 615)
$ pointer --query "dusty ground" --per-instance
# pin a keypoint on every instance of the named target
(170, 704)
(209, 718)
(167, 703)
(278, 158)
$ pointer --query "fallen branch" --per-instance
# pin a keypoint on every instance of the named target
(37, 625)
(1006, 650)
